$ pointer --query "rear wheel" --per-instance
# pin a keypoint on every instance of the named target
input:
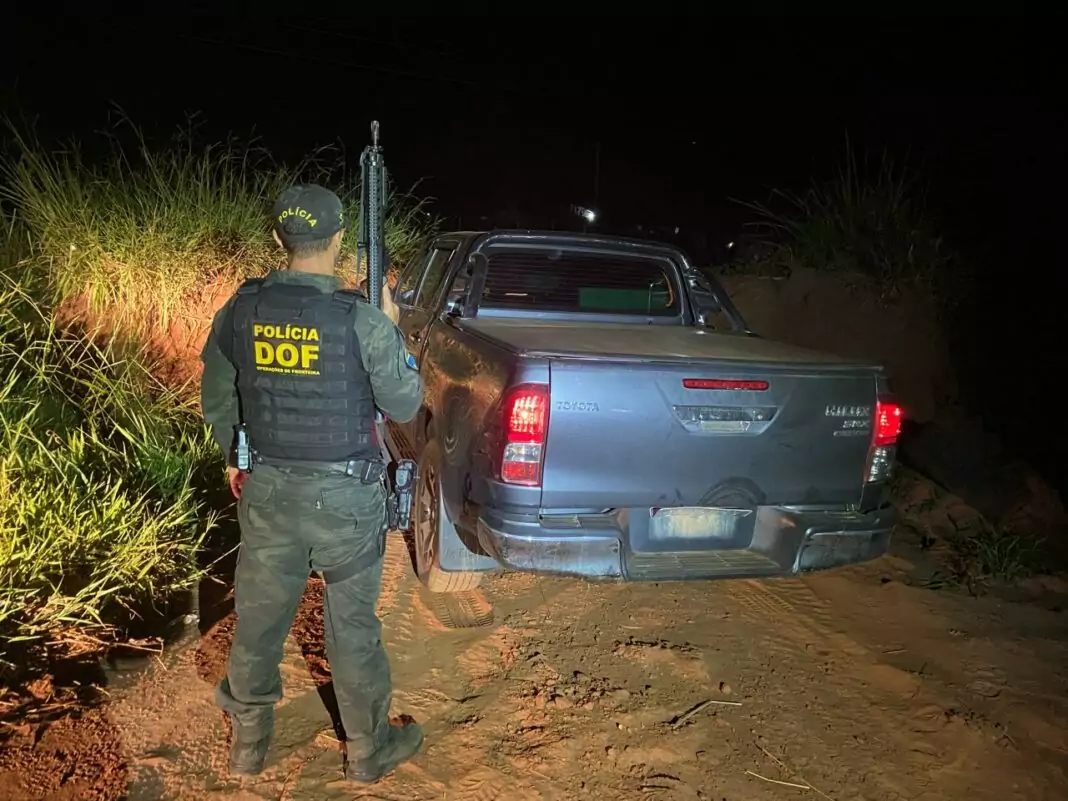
(428, 519)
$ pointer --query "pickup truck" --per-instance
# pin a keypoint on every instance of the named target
(597, 407)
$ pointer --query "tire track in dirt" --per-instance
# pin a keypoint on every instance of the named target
(396, 570)
(470, 609)
(404, 631)
(425, 702)
(489, 657)
(684, 661)
(469, 727)
(928, 733)
(424, 657)
(791, 608)
(421, 614)
(487, 784)
(488, 654)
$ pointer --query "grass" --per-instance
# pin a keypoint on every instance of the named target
(98, 515)
(988, 554)
(970, 551)
(136, 232)
(872, 221)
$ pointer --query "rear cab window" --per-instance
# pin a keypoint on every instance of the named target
(554, 279)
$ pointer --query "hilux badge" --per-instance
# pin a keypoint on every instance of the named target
(847, 411)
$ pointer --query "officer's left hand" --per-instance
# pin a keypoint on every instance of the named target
(237, 480)
(388, 306)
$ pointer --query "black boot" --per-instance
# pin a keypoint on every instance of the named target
(248, 755)
(402, 743)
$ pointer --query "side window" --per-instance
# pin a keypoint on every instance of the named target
(458, 287)
(405, 291)
(434, 277)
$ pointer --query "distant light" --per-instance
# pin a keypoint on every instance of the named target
(730, 245)
(589, 215)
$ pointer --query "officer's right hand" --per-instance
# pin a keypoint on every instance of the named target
(388, 306)
(237, 480)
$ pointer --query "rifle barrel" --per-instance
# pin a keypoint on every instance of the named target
(372, 216)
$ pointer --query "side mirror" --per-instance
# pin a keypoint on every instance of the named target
(454, 307)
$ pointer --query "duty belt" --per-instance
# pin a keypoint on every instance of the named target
(369, 470)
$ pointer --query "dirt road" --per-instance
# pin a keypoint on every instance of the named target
(844, 685)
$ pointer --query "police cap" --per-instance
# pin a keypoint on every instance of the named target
(307, 212)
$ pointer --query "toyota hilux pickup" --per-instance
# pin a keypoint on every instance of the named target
(597, 407)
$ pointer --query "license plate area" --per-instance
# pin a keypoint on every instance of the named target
(719, 527)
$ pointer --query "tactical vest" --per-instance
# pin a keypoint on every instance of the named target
(304, 392)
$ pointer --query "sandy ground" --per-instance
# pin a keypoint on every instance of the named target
(849, 684)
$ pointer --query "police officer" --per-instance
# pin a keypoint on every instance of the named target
(302, 364)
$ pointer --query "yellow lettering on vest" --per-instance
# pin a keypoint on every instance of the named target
(289, 348)
(286, 354)
(264, 352)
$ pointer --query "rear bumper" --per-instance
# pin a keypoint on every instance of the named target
(786, 540)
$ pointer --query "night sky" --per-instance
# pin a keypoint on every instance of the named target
(505, 110)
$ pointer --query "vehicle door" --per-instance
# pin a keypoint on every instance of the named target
(420, 300)
(418, 290)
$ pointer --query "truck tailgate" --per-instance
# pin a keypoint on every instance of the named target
(634, 420)
(623, 434)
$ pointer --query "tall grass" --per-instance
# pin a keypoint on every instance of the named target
(97, 511)
(134, 232)
(872, 221)
(98, 518)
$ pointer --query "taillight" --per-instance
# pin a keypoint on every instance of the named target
(887, 422)
(887, 429)
(526, 424)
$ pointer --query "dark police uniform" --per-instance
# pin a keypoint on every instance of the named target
(303, 365)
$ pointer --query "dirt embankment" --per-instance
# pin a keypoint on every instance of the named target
(843, 314)
(172, 349)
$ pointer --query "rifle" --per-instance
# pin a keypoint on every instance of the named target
(371, 249)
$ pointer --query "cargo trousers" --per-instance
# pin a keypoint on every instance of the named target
(293, 522)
